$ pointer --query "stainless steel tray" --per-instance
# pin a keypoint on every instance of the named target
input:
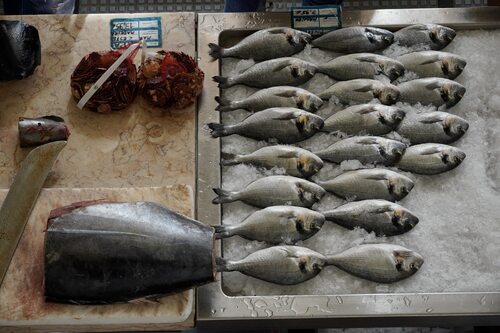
(213, 306)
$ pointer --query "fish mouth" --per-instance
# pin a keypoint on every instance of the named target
(460, 157)
(398, 115)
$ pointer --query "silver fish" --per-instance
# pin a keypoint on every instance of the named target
(437, 127)
(270, 73)
(435, 91)
(383, 217)
(38, 131)
(369, 184)
(362, 91)
(362, 66)
(287, 125)
(374, 119)
(296, 161)
(382, 263)
(276, 225)
(265, 44)
(431, 158)
(355, 40)
(274, 191)
(283, 96)
(366, 149)
(434, 64)
(425, 36)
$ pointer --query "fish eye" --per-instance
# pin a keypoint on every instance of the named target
(412, 266)
(315, 267)
(299, 226)
(445, 158)
(395, 220)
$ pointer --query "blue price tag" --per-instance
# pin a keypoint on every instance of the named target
(124, 31)
(317, 20)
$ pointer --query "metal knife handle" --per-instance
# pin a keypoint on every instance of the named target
(21, 198)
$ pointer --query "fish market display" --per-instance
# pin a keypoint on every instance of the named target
(362, 66)
(374, 119)
(437, 127)
(435, 91)
(431, 158)
(116, 93)
(369, 184)
(296, 161)
(105, 252)
(287, 125)
(289, 265)
(434, 64)
(276, 225)
(265, 44)
(275, 72)
(170, 79)
(38, 131)
(383, 217)
(355, 40)
(274, 191)
(366, 149)
(362, 91)
(424, 36)
(282, 96)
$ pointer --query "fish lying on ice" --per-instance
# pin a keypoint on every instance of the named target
(434, 90)
(362, 91)
(431, 158)
(424, 36)
(434, 64)
(355, 40)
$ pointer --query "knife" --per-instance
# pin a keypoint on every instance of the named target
(21, 198)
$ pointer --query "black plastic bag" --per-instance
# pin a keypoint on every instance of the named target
(20, 50)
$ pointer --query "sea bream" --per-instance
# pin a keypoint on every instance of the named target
(369, 184)
(433, 90)
(366, 149)
(424, 36)
(270, 73)
(362, 91)
(372, 119)
(274, 191)
(434, 64)
(265, 44)
(431, 158)
(276, 225)
(355, 40)
(289, 265)
(286, 125)
(362, 66)
(283, 96)
(296, 161)
(383, 217)
(437, 127)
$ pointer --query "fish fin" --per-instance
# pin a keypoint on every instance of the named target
(430, 119)
(367, 110)
(229, 159)
(277, 30)
(288, 154)
(383, 209)
(223, 196)
(287, 93)
(431, 60)
(286, 116)
(222, 231)
(366, 140)
(283, 66)
(217, 130)
(378, 176)
(222, 265)
(222, 81)
(367, 58)
(216, 51)
(365, 88)
(429, 151)
(69, 208)
(224, 104)
(54, 118)
(432, 86)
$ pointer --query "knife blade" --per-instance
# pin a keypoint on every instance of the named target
(21, 198)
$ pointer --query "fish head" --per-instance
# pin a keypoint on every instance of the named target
(441, 35)
(309, 164)
(455, 126)
(452, 93)
(309, 123)
(403, 219)
(389, 94)
(396, 148)
(310, 223)
(399, 186)
(379, 36)
(393, 69)
(309, 102)
(453, 66)
(310, 265)
(310, 192)
(452, 156)
(299, 38)
(407, 262)
(390, 116)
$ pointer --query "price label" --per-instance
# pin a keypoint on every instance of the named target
(317, 20)
(124, 31)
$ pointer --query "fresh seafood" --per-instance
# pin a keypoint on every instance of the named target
(435, 91)
(274, 191)
(296, 161)
(374, 119)
(276, 225)
(366, 149)
(283, 96)
(37, 131)
(424, 36)
(434, 64)
(287, 125)
(265, 44)
(383, 217)
(362, 91)
(437, 127)
(170, 79)
(118, 92)
(362, 66)
(431, 158)
(355, 40)
(289, 265)
(105, 252)
(369, 184)
(270, 73)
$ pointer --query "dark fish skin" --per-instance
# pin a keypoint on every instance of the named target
(38, 131)
(106, 252)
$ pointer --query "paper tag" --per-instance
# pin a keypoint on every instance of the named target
(317, 20)
(124, 31)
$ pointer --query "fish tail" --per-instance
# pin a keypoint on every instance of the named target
(223, 265)
(223, 196)
(222, 81)
(216, 51)
(223, 231)
(224, 104)
(332, 260)
(229, 159)
(218, 130)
